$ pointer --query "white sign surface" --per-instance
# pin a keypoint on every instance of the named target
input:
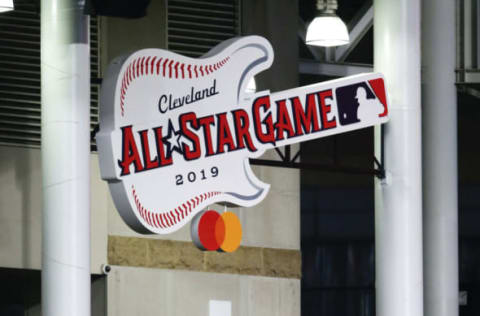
(176, 133)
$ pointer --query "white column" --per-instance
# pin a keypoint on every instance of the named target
(398, 199)
(440, 200)
(65, 71)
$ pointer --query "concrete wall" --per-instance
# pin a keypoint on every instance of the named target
(122, 36)
(271, 229)
(277, 21)
(21, 210)
(274, 223)
(178, 293)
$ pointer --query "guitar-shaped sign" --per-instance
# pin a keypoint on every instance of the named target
(176, 133)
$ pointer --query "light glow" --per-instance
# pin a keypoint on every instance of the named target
(327, 31)
(6, 5)
(251, 86)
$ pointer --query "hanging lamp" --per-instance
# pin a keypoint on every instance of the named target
(327, 29)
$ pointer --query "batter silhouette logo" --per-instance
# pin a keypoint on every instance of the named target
(176, 133)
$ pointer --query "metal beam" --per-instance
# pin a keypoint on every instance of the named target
(357, 31)
(477, 31)
(468, 90)
(334, 168)
(468, 76)
(331, 69)
(467, 41)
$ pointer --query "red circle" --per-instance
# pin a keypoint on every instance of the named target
(209, 226)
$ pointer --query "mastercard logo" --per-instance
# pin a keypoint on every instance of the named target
(212, 231)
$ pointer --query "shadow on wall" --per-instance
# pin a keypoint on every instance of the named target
(20, 293)
(24, 181)
(20, 207)
(12, 310)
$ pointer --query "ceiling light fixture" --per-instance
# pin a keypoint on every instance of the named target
(6, 5)
(327, 29)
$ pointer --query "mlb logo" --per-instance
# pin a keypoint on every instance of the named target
(361, 102)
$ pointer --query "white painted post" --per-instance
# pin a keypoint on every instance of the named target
(65, 69)
(398, 199)
(440, 200)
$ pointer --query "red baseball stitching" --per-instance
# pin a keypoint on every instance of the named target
(140, 67)
(172, 217)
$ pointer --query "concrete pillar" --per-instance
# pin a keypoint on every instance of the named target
(276, 20)
(440, 184)
(398, 198)
(65, 67)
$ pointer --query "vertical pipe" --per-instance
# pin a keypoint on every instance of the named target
(460, 58)
(468, 33)
(477, 33)
(65, 69)
(398, 198)
(440, 218)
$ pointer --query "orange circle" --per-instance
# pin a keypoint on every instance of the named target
(233, 232)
